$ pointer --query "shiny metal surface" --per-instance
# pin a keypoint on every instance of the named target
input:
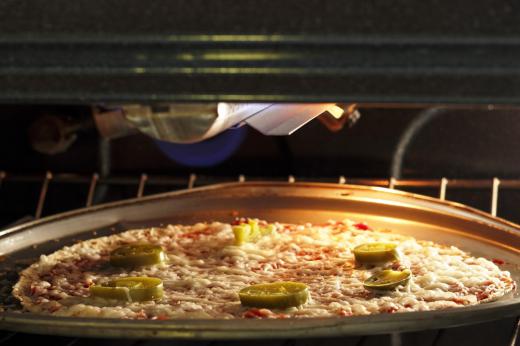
(422, 217)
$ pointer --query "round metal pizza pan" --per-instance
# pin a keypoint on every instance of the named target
(422, 217)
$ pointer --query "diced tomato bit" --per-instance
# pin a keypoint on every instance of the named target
(389, 310)
(482, 295)
(141, 315)
(54, 308)
(459, 301)
(362, 226)
(257, 313)
(343, 312)
(288, 228)
(161, 317)
(498, 261)
(459, 288)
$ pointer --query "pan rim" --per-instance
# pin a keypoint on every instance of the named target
(493, 220)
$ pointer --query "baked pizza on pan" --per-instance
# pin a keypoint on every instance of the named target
(255, 269)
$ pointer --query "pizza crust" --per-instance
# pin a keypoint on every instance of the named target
(205, 271)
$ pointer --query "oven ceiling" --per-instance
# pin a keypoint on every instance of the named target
(301, 50)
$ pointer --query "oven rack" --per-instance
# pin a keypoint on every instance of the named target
(178, 182)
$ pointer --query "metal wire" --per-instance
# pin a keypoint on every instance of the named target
(7, 337)
(43, 194)
(407, 137)
(494, 196)
(142, 183)
(438, 337)
(162, 180)
(495, 184)
(2, 177)
(191, 181)
(515, 340)
(73, 342)
(442, 190)
(92, 189)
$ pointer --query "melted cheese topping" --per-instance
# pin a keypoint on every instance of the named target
(205, 271)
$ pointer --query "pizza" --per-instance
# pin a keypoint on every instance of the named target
(255, 269)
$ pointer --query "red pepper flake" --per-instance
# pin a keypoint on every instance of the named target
(197, 234)
(312, 255)
(498, 261)
(362, 226)
(257, 313)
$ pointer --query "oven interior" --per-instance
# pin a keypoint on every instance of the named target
(430, 94)
(464, 155)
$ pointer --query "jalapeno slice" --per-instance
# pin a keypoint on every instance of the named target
(133, 255)
(388, 279)
(241, 233)
(279, 295)
(250, 232)
(130, 289)
(376, 253)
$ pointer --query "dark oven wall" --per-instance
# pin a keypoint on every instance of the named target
(384, 142)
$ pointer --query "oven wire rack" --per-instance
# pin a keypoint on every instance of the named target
(93, 181)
